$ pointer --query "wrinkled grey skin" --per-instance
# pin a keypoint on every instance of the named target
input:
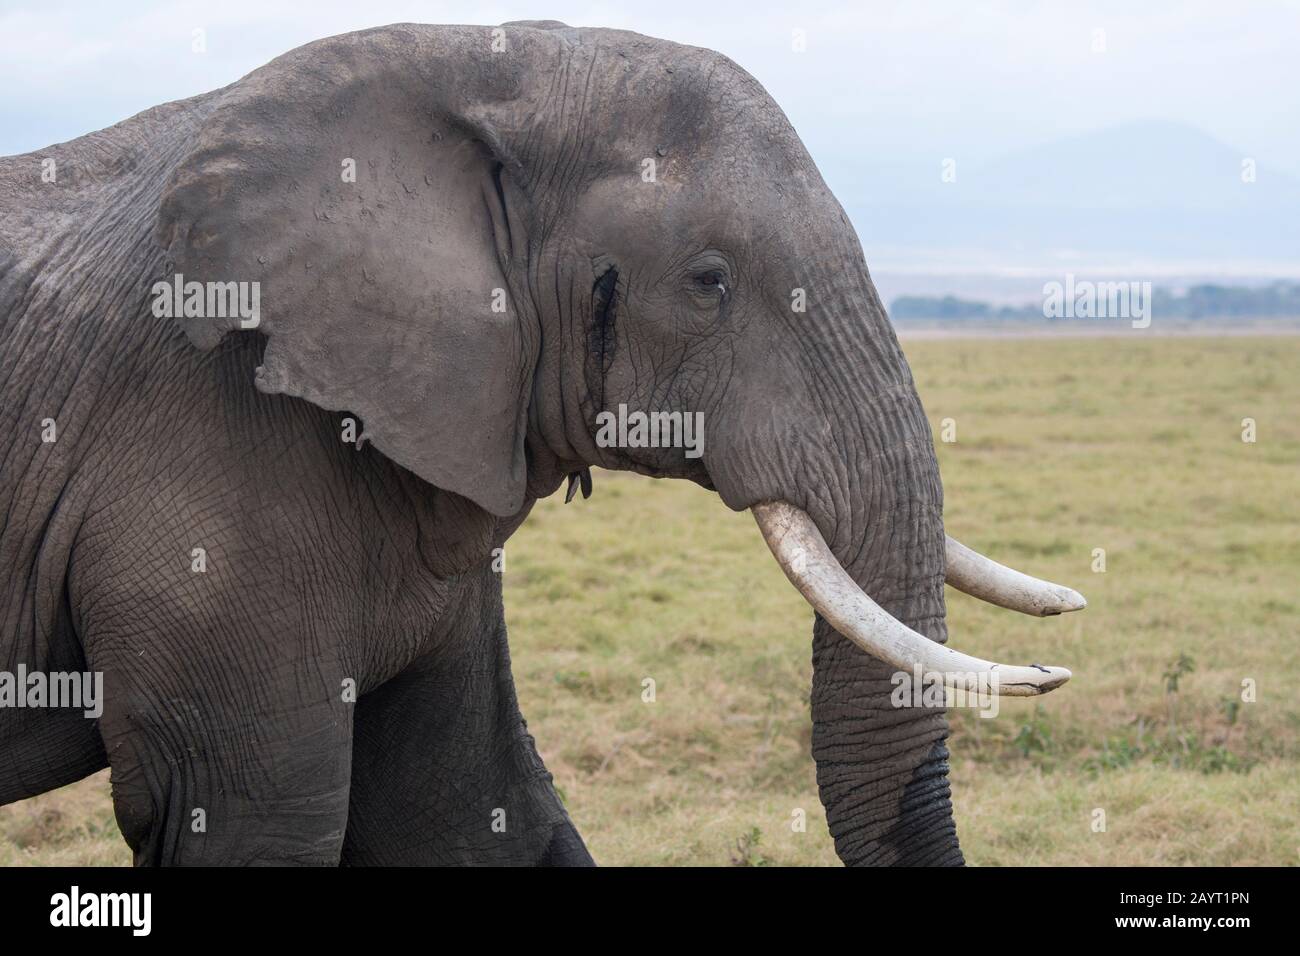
(477, 170)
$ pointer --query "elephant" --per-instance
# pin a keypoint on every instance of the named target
(467, 244)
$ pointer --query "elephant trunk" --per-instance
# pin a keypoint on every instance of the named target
(882, 768)
(831, 450)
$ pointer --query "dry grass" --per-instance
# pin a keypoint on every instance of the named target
(1129, 444)
(69, 827)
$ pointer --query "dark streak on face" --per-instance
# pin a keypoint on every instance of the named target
(604, 303)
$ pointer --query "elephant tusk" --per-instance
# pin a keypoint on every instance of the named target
(984, 578)
(808, 562)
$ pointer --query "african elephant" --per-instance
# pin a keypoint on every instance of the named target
(542, 225)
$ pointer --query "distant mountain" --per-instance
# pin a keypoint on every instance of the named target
(1132, 166)
(1147, 190)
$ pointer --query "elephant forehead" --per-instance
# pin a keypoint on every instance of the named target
(683, 207)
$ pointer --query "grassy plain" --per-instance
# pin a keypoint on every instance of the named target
(1129, 444)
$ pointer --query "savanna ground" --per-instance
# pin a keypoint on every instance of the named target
(1131, 444)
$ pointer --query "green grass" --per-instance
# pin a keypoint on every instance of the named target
(1131, 444)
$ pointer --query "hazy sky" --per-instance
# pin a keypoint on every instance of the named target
(881, 81)
(883, 93)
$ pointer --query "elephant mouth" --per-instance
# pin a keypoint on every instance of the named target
(808, 562)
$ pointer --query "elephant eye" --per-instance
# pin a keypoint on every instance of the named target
(712, 282)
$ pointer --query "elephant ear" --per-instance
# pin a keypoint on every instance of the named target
(365, 184)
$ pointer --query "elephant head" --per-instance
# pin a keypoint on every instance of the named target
(549, 223)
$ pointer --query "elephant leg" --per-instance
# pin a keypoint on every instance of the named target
(444, 770)
(44, 749)
(223, 761)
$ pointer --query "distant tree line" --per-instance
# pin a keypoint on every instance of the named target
(1208, 301)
